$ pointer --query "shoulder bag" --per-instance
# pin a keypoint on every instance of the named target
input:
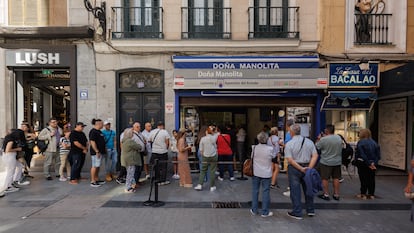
(248, 165)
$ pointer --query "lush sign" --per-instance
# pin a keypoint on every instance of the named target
(351, 75)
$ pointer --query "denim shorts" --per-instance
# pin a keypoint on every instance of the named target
(96, 162)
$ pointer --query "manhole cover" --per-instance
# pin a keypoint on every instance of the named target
(226, 205)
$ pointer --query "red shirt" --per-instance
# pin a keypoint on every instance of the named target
(223, 145)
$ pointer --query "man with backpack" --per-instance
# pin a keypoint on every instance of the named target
(52, 134)
(330, 147)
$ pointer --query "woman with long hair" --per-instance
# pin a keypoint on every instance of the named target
(183, 166)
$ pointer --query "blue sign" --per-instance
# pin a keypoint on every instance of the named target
(353, 75)
(245, 62)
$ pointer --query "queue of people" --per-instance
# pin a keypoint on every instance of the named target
(308, 162)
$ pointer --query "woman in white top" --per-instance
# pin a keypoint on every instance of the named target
(10, 147)
(262, 156)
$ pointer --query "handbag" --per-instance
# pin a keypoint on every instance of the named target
(248, 165)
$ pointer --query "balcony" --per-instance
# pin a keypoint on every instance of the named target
(137, 22)
(372, 29)
(273, 22)
(206, 23)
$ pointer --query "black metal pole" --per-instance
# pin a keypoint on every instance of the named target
(157, 203)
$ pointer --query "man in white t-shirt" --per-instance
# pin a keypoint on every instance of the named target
(160, 140)
(146, 133)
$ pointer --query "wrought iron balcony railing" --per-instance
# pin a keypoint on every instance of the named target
(206, 23)
(372, 29)
(137, 22)
(273, 22)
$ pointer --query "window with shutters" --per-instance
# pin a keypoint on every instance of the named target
(28, 12)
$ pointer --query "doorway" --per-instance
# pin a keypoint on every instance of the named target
(42, 94)
(140, 98)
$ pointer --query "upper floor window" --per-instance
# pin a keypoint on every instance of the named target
(273, 19)
(137, 19)
(28, 12)
(376, 24)
(371, 23)
(206, 19)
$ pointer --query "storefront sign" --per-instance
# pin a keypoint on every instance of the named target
(337, 100)
(240, 72)
(353, 75)
(37, 58)
(249, 79)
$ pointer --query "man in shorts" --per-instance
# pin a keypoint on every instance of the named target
(330, 147)
(97, 151)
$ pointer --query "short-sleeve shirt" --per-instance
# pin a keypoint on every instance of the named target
(98, 137)
(158, 141)
(76, 136)
(109, 136)
(273, 141)
(208, 145)
(62, 149)
(293, 149)
(331, 150)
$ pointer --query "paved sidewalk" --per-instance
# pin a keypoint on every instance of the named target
(53, 206)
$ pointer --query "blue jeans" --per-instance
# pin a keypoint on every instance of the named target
(296, 179)
(226, 158)
(111, 158)
(265, 182)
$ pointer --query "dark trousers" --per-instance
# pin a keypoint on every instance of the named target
(162, 165)
(76, 161)
(367, 179)
(122, 172)
(229, 166)
(28, 155)
(137, 174)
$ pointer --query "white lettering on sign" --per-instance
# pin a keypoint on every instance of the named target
(37, 58)
(250, 66)
(263, 66)
(353, 79)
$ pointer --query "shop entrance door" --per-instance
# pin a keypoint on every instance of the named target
(140, 98)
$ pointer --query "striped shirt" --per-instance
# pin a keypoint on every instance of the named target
(63, 150)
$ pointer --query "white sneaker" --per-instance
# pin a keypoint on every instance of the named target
(176, 177)
(26, 182)
(219, 178)
(287, 193)
(62, 179)
(232, 179)
(212, 189)
(147, 177)
(198, 187)
(270, 214)
(11, 190)
(2, 194)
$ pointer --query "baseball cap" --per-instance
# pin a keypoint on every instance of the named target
(106, 122)
(80, 123)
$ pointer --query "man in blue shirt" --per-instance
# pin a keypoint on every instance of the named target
(111, 156)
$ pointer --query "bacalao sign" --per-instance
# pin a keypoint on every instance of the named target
(350, 75)
(37, 58)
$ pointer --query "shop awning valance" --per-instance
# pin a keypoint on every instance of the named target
(360, 100)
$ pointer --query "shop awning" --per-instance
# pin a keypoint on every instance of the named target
(361, 100)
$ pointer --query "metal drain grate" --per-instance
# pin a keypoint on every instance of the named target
(226, 205)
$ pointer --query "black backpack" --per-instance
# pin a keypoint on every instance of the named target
(347, 153)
